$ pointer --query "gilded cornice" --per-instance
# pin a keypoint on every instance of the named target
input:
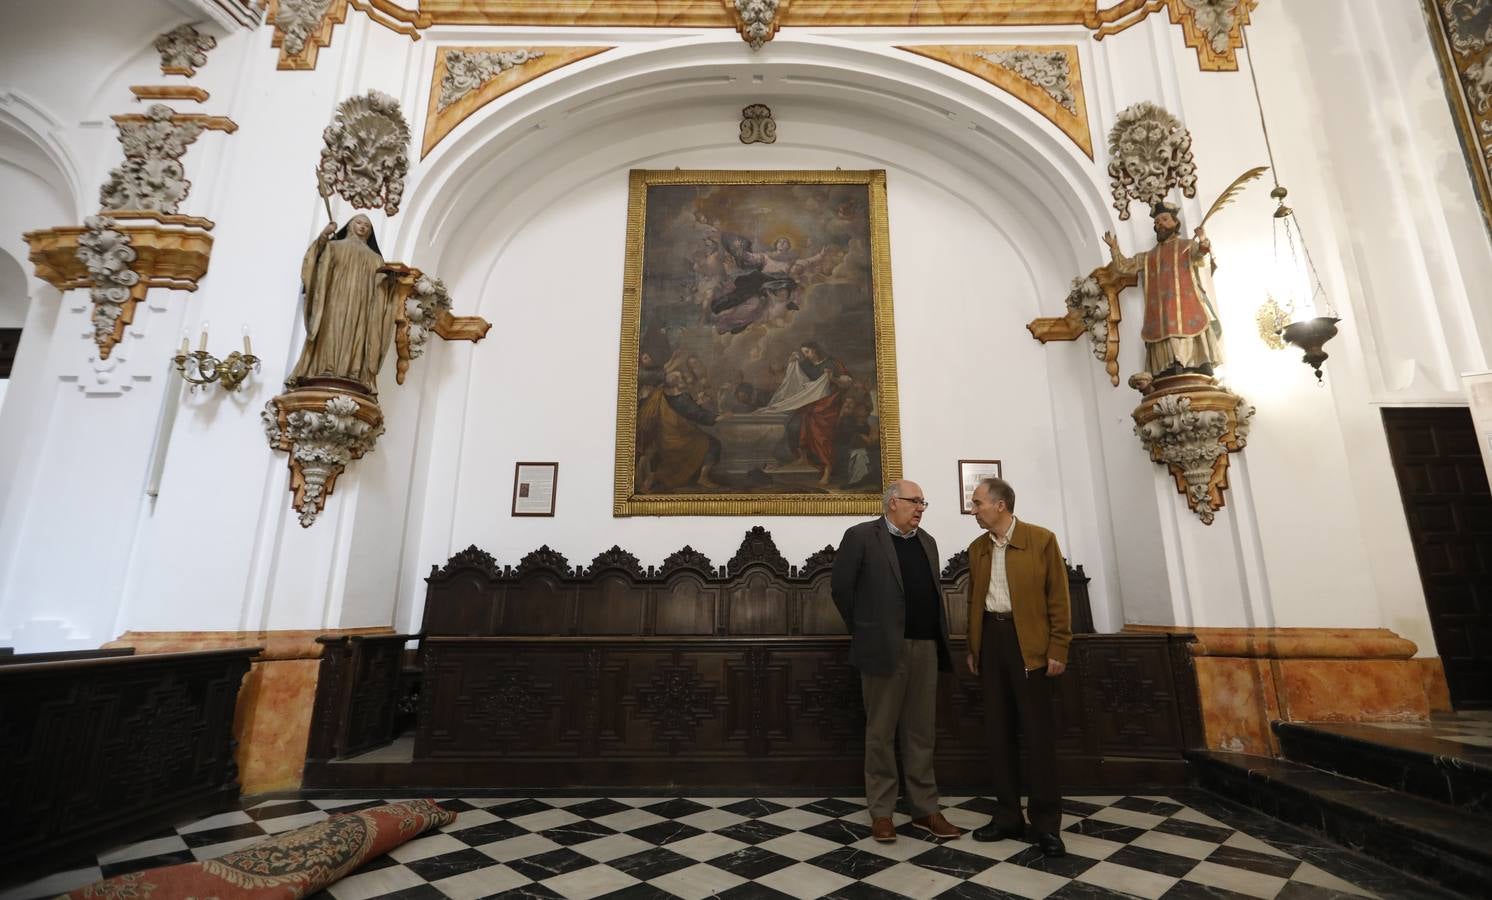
(442, 117)
(712, 13)
(981, 61)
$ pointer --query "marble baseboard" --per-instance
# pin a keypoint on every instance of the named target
(1248, 678)
(273, 719)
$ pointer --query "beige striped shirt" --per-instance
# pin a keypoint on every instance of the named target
(997, 599)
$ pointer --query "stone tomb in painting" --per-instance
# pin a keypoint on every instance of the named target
(689, 674)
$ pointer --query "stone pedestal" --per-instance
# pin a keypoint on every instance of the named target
(1190, 424)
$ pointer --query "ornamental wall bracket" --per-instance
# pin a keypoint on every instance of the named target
(97, 255)
(303, 27)
(756, 20)
(183, 50)
(425, 310)
(465, 79)
(152, 179)
(1189, 423)
(1214, 28)
(1047, 78)
(323, 428)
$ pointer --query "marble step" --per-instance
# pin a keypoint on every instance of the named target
(1420, 837)
(1410, 758)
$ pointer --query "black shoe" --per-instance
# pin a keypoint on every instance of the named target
(993, 832)
(1049, 844)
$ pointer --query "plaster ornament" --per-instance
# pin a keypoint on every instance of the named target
(1049, 70)
(367, 153)
(1191, 426)
(468, 70)
(756, 20)
(423, 309)
(1468, 23)
(151, 177)
(757, 125)
(297, 20)
(1090, 303)
(107, 255)
(183, 50)
(321, 441)
(1150, 153)
(1215, 19)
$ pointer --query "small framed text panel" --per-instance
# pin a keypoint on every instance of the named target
(533, 488)
(970, 473)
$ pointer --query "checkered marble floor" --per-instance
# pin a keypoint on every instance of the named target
(1186, 844)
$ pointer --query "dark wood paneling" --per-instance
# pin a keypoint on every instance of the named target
(692, 675)
(11, 659)
(1443, 485)
(94, 751)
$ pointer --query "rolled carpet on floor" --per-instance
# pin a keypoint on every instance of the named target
(290, 865)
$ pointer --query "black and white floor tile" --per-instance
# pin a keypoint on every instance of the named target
(1470, 728)
(1184, 845)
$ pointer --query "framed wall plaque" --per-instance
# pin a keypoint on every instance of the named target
(970, 473)
(533, 488)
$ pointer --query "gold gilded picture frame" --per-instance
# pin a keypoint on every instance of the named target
(757, 371)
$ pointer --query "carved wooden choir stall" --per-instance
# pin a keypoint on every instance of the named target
(689, 674)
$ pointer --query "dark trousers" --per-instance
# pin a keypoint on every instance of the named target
(1019, 705)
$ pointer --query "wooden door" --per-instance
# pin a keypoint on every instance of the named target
(1443, 485)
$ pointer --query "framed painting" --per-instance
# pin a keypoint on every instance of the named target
(758, 370)
(970, 473)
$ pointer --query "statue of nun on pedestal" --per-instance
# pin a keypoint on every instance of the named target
(351, 308)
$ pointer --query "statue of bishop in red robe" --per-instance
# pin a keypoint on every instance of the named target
(1181, 331)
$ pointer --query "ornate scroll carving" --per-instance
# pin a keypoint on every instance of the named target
(1050, 70)
(107, 255)
(817, 562)
(467, 69)
(1461, 31)
(756, 20)
(366, 153)
(467, 78)
(473, 557)
(675, 702)
(183, 50)
(617, 558)
(152, 178)
(757, 547)
(303, 27)
(757, 125)
(1190, 424)
(686, 558)
(1046, 78)
(323, 430)
(1150, 152)
(1214, 28)
(544, 559)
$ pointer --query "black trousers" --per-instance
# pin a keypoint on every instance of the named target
(1019, 705)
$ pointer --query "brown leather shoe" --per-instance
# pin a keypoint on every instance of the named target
(882, 830)
(937, 826)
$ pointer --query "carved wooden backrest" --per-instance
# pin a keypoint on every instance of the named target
(756, 594)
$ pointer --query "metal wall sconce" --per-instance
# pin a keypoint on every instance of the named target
(198, 367)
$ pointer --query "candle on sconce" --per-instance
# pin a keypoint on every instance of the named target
(202, 345)
(186, 343)
(246, 349)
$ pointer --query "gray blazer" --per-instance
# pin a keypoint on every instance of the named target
(867, 587)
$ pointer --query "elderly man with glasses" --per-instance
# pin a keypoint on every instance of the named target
(885, 584)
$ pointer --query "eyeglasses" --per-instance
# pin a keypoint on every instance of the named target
(918, 502)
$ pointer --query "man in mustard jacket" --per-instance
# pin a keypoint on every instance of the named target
(1020, 626)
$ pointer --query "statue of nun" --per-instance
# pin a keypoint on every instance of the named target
(350, 307)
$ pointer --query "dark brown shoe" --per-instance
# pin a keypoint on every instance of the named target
(937, 826)
(882, 830)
